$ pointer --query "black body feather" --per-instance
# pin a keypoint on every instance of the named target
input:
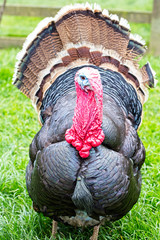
(114, 85)
(105, 184)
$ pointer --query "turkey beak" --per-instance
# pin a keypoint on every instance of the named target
(85, 85)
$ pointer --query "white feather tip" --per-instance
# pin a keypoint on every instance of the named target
(97, 8)
(105, 13)
(124, 23)
(114, 17)
(78, 6)
(137, 38)
(88, 6)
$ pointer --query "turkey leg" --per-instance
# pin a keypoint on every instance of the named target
(54, 228)
(95, 233)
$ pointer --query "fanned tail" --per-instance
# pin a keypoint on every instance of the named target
(78, 35)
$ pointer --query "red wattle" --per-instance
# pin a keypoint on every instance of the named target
(86, 131)
(84, 154)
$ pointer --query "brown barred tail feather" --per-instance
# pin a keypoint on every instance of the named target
(78, 35)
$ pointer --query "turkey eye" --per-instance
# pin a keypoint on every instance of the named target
(82, 77)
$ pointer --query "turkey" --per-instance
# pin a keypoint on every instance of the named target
(81, 71)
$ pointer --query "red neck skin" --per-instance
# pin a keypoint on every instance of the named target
(86, 131)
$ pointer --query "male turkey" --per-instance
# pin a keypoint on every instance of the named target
(80, 69)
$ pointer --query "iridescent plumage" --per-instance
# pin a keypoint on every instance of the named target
(81, 71)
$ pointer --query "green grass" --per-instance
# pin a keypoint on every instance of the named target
(19, 124)
(20, 27)
(121, 4)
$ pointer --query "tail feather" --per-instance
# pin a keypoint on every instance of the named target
(87, 26)
(40, 47)
(80, 35)
(148, 75)
(136, 48)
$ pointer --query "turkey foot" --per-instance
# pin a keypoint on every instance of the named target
(54, 228)
(95, 233)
